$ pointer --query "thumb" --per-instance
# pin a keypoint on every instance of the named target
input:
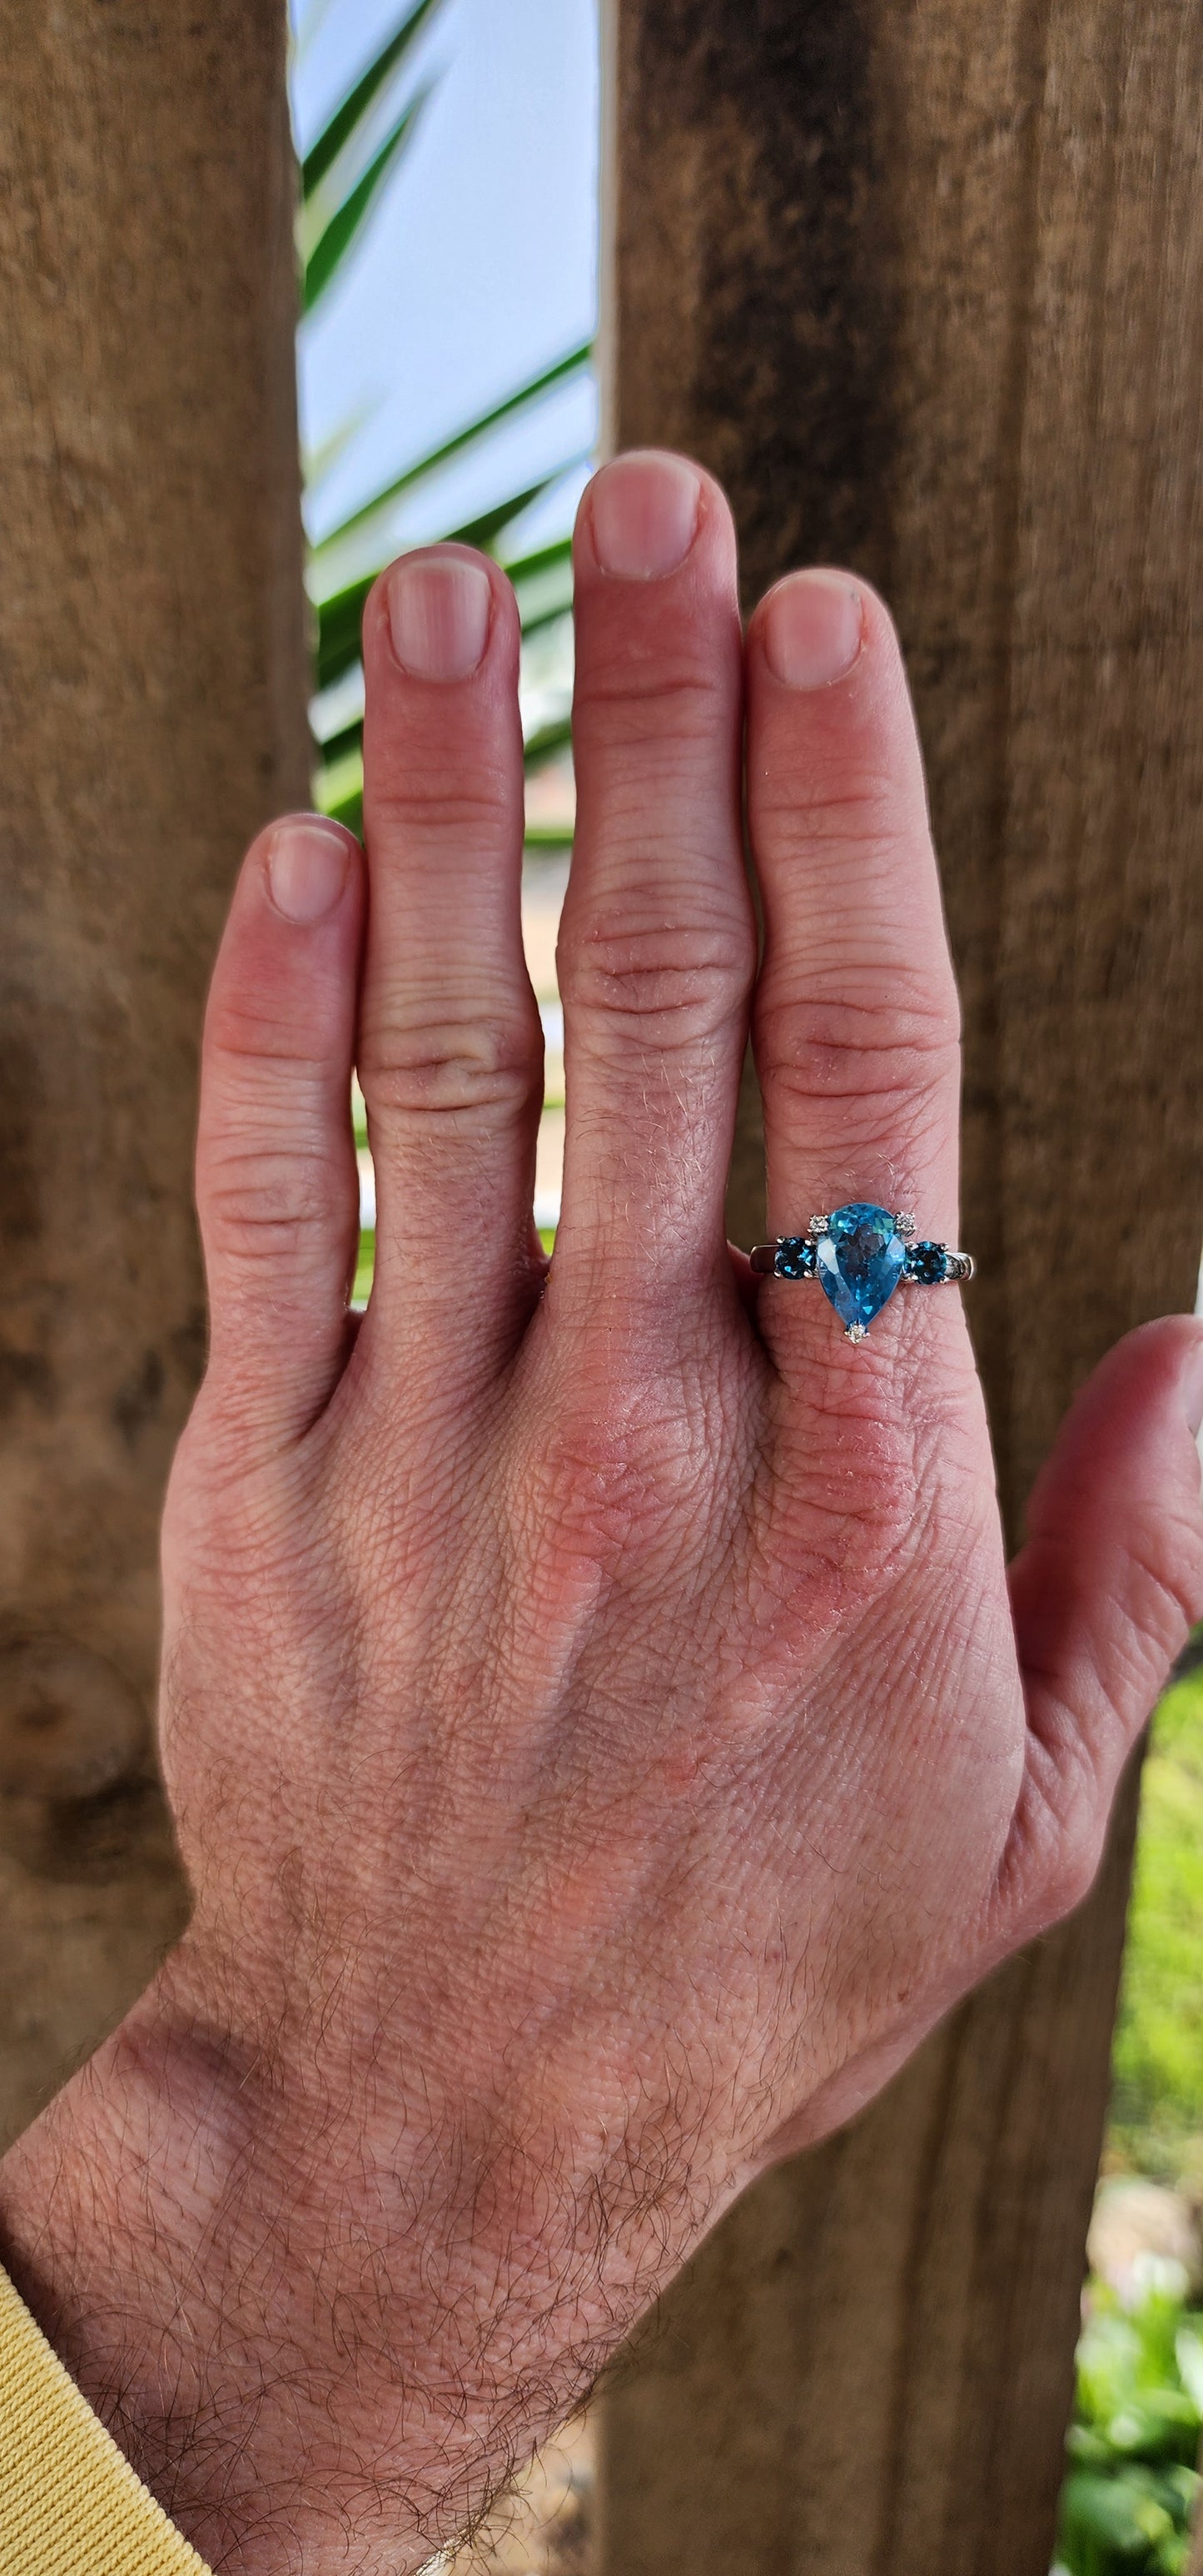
(1103, 1595)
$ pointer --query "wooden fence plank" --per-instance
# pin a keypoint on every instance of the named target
(152, 694)
(921, 283)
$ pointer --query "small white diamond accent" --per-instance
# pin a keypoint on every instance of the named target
(855, 1332)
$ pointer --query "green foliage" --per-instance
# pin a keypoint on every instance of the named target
(1157, 2104)
(1131, 2482)
(474, 431)
(365, 1264)
(343, 177)
(346, 171)
(339, 235)
(342, 131)
(1131, 2488)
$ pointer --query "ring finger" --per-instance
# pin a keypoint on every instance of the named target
(855, 1020)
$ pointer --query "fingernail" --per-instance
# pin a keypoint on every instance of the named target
(812, 629)
(306, 870)
(644, 511)
(438, 607)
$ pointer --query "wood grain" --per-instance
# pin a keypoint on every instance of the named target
(152, 694)
(921, 283)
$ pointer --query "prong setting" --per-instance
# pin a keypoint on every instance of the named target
(905, 1224)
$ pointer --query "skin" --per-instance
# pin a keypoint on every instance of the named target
(600, 1734)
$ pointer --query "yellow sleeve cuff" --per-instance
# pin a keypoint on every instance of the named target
(70, 2504)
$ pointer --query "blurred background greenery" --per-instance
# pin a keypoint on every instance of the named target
(1131, 2486)
(1157, 2106)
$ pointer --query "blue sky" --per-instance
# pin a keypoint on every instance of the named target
(479, 266)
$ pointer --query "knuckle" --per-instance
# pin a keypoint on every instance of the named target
(434, 1066)
(1070, 1866)
(679, 985)
(250, 1029)
(1164, 1587)
(888, 1037)
(263, 1204)
(646, 698)
(858, 1516)
(429, 802)
(848, 806)
(853, 1507)
(611, 1475)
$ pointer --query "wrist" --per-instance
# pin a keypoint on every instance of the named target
(121, 2213)
(243, 2284)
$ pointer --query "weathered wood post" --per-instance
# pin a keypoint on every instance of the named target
(922, 284)
(152, 691)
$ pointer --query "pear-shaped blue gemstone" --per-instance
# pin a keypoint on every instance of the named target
(860, 1262)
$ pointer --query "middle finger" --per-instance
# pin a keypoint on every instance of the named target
(657, 948)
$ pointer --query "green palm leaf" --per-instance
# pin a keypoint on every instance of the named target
(574, 363)
(543, 585)
(350, 116)
(550, 739)
(546, 559)
(334, 244)
(347, 809)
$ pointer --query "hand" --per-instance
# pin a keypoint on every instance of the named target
(597, 1731)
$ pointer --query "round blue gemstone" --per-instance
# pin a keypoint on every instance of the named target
(927, 1262)
(796, 1257)
(859, 1262)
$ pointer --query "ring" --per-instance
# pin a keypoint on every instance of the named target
(858, 1255)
